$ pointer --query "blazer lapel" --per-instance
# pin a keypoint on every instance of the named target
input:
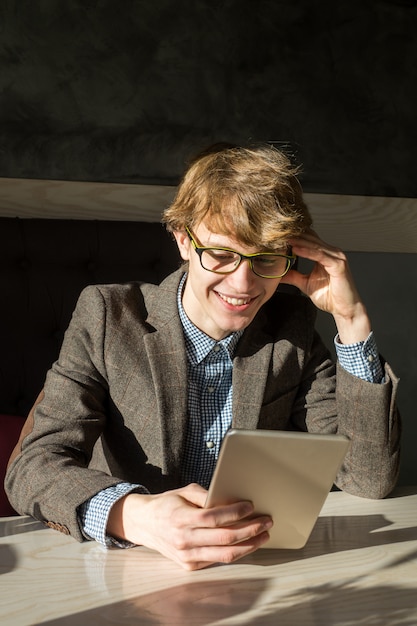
(166, 353)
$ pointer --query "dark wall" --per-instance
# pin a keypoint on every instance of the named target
(126, 91)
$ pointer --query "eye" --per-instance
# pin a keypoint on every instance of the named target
(267, 261)
(222, 255)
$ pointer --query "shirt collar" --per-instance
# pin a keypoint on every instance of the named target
(197, 344)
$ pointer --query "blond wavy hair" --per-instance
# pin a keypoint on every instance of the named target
(252, 194)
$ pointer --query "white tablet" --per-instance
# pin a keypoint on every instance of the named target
(287, 475)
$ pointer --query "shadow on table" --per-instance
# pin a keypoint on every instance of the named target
(8, 559)
(256, 602)
(338, 534)
(19, 524)
(193, 603)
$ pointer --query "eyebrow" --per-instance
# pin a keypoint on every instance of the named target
(284, 250)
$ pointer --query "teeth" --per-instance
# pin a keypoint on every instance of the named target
(234, 301)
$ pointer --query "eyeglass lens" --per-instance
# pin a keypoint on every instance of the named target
(224, 261)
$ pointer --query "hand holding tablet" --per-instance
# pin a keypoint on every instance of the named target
(287, 475)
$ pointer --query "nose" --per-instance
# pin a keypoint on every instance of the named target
(243, 277)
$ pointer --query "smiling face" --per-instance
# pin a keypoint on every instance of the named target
(219, 304)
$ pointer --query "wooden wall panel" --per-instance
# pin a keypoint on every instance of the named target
(354, 223)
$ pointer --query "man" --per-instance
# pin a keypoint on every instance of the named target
(123, 441)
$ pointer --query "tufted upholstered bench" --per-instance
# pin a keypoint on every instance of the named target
(44, 265)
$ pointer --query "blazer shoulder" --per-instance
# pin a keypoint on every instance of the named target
(146, 300)
(112, 296)
(167, 287)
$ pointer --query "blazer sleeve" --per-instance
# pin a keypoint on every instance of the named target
(48, 476)
(368, 415)
(335, 401)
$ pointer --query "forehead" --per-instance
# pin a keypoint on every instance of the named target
(208, 238)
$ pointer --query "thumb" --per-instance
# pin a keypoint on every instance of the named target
(194, 494)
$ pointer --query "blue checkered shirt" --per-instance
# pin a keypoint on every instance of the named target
(209, 364)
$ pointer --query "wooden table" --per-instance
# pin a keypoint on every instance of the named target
(358, 568)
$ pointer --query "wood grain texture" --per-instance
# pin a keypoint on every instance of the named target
(59, 199)
(354, 223)
(366, 223)
(359, 567)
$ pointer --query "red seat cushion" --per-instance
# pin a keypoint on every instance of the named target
(10, 427)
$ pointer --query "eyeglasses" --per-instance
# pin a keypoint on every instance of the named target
(226, 261)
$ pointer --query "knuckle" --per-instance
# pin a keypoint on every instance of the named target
(190, 567)
(179, 542)
(231, 555)
(190, 560)
(224, 537)
(179, 539)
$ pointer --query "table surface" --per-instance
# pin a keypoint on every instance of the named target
(358, 567)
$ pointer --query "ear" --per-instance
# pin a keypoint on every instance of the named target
(183, 243)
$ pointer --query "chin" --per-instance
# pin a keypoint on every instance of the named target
(236, 325)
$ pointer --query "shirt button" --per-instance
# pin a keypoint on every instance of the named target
(371, 358)
(216, 348)
(210, 444)
(210, 389)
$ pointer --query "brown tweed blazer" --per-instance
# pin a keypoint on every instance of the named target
(114, 405)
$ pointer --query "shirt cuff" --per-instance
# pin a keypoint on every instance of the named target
(94, 513)
(361, 359)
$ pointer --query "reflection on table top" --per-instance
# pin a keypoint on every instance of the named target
(359, 567)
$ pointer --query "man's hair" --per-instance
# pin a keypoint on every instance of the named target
(251, 193)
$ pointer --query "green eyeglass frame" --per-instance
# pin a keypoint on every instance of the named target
(238, 257)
